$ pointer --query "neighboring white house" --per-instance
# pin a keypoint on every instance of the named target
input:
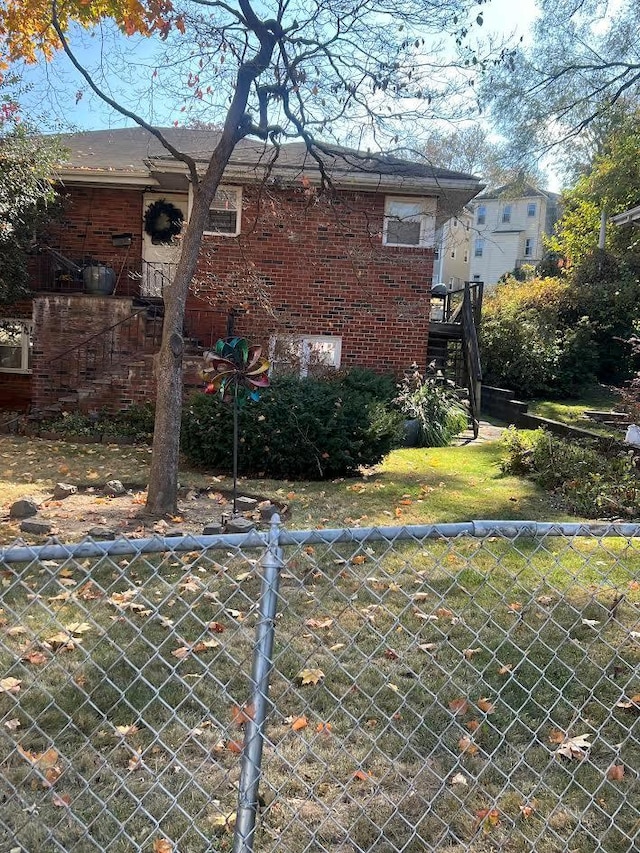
(453, 250)
(508, 229)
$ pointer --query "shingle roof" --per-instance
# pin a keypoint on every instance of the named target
(135, 150)
(515, 190)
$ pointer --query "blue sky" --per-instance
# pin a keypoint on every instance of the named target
(54, 87)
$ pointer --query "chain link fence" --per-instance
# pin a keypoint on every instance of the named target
(465, 687)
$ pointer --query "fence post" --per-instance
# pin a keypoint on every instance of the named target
(261, 670)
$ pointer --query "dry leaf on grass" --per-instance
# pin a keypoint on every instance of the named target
(125, 731)
(323, 728)
(225, 822)
(458, 779)
(242, 714)
(216, 627)
(458, 706)
(45, 762)
(632, 704)
(61, 802)
(486, 705)
(162, 845)
(299, 723)
(574, 747)
(362, 776)
(527, 809)
(310, 676)
(10, 685)
(487, 818)
(319, 623)
(615, 773)
(235, 746)
(469, 653)
(467, 746)
(35, 658)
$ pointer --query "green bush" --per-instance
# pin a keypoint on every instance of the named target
(299, 429)
(590, 482)
(526, 344)
(136, 423)
(435, 406)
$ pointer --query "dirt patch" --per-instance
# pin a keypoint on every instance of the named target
(77, 515)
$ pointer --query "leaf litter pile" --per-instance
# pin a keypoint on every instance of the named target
(469, 695)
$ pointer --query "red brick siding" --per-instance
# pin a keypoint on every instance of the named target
(323, 270)
(73, 348)
(92, 215)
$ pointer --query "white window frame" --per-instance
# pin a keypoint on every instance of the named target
(481, 217)
(531, 208)
(25, 343)
(478, 249)
(506, 213)
(453, 254)
(304, 344)
(424, 212)
(529, 245)
(237, 191)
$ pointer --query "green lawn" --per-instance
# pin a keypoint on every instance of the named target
(412, 486)
(447, 676)
(600, 398)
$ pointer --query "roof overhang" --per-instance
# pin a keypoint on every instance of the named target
(105, 177)
(627, 217)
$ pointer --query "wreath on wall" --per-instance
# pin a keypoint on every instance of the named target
(163, 221)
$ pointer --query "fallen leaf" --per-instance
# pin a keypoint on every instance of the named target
(299, 723)
(235, 746)
(615, 773)
(632, 704)
(162, 845)
(590, 623)
(12, 724)
(189, 584)
(135, 762)
(216, 627)
(472, 725)
(62, 802)
(225, 822)
(242, 714)
(467, 746)
(319, 623)
(526, 810)
(505, 669)
(10, 685)
(458, 706)
(125, 731)
(391, 654)
(444, 613)
(359, 559)
(310, 676)
(488, 818)
(574, 747)
(321, 728)
(204, 645)
(78, 627)
(428, 647)
(515, 607)
(469, 653)
(458, 779)
(556, 736)
(486, 705)
(36, 658)
(362, 776)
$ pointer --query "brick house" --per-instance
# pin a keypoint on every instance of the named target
(341, 276)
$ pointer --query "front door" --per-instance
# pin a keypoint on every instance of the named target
(164, 219)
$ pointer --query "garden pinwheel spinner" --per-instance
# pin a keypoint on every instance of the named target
(237, 371)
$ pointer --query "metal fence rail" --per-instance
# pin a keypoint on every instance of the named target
(462, 687)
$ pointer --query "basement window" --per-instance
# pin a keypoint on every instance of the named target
(409, 222)
(225, 212)
(15, 346)
(304, 355)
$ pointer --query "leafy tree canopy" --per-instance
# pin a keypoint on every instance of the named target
(26, 196)
(562, 90)
(612, 184)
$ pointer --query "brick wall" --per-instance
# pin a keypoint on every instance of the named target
(92, 215)
(310, 266)
(74, 349)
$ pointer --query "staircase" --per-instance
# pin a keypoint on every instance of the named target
(109, 365)
(453, 342)
(114, 367)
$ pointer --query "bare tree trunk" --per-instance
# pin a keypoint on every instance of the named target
(163, 477)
